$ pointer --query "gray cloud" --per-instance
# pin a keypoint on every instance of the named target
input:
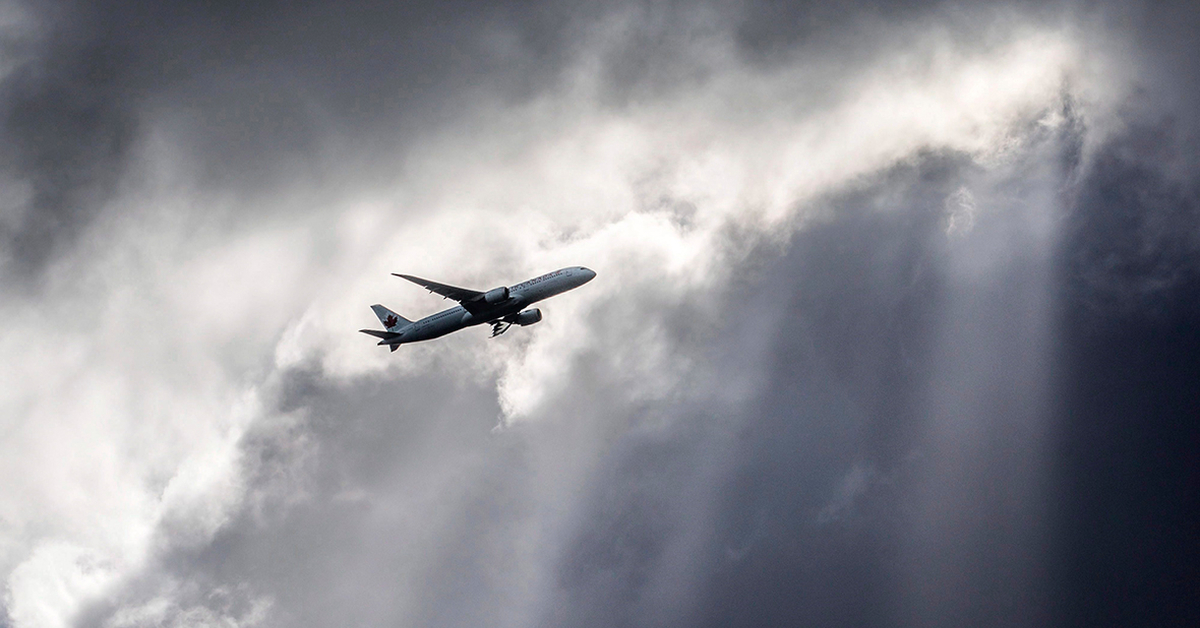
(803, 389)
(67, 132)
(1133, 253)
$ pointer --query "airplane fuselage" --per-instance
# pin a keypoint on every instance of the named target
(520, 296)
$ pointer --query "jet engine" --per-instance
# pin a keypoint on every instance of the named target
(528, 317)
(496, 295)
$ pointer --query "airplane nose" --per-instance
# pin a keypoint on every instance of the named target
(588, 274)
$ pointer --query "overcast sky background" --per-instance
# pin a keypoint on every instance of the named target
(895, 321)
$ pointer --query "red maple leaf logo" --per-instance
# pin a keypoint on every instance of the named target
(391, 321)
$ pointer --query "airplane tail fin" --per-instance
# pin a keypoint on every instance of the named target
(391, 320)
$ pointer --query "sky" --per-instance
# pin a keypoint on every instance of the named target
(896, 319)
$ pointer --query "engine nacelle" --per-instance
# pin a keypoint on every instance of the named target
(528, 317)
(496, 295)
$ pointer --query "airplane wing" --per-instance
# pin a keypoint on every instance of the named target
(471, 300)
(449, 292)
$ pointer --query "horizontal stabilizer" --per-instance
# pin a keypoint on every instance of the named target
(386, 335)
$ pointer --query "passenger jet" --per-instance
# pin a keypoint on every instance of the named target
(500, 307)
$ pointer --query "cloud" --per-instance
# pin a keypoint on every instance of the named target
(203, 209)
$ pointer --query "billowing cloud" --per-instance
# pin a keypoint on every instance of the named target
(816, 379)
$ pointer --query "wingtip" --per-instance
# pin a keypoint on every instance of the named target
(414, 279)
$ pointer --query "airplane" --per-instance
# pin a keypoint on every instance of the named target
(500, 307)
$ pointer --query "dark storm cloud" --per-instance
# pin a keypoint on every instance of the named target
(1133, 249)
(67, 131)
(1130, 274)
(255, 85)
(1164, 35)
(385, 499)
